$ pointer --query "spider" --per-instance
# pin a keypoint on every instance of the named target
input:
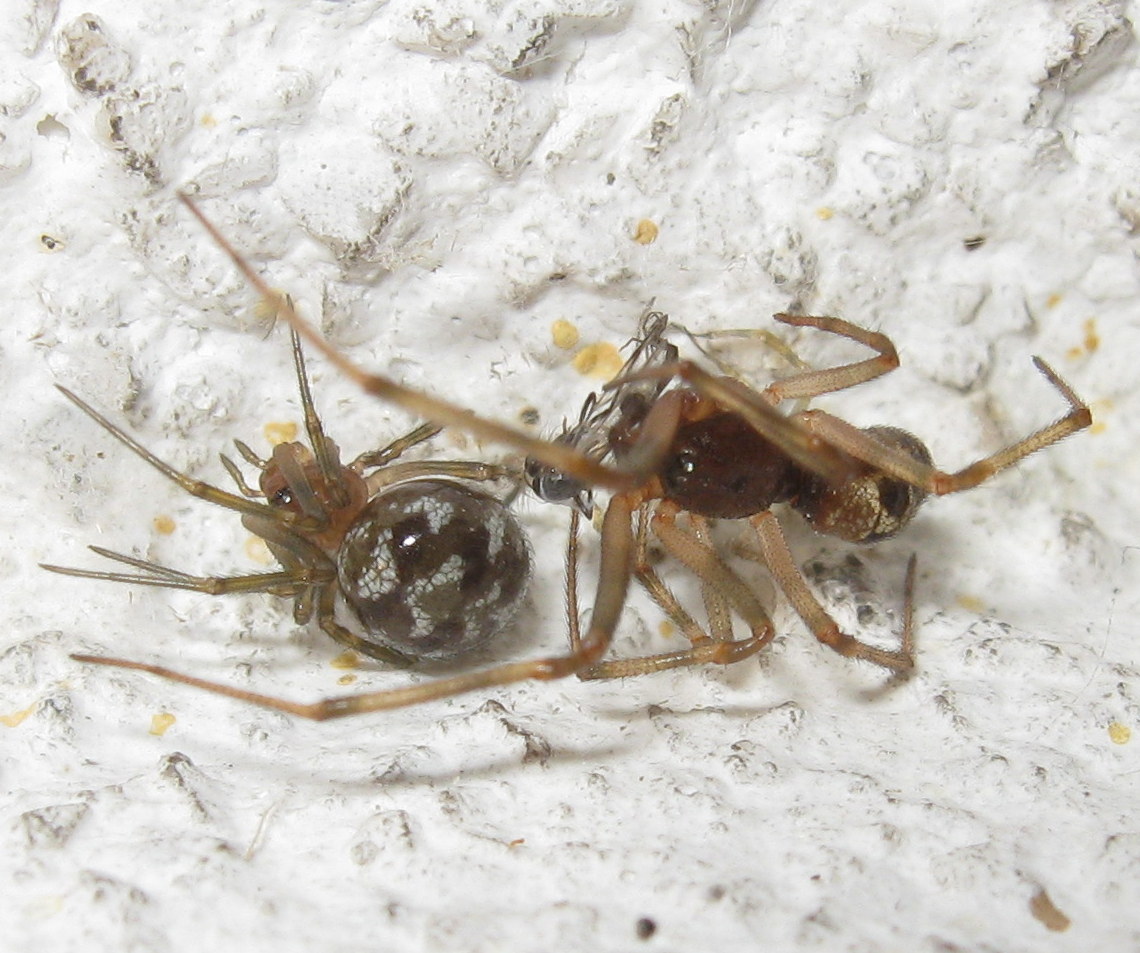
(431, 567)
(711, 447)
(597, 434)
(729, 459)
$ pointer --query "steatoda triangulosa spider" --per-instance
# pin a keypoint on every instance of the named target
(430, 567)
(708, 448)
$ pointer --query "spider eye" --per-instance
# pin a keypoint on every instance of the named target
(283, 497)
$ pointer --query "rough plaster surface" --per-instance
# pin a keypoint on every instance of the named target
(439, 183)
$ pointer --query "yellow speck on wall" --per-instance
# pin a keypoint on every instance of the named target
(972, 603)
(16, 717)
(161, 722)
(346, 659)
(564, 334)
(646, 232)
(601, 360)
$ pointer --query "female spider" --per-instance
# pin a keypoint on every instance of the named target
(431, 567)
(713, 448)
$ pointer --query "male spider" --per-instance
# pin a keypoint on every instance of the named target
(713, 448)
(431, 567)
(601, 433)
(725, 461)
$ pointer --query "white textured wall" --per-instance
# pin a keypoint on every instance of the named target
(417, 173)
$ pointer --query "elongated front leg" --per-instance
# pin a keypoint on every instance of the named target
(617, 555)
(783, 568)
(440, 412)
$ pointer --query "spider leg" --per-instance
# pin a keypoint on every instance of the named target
(153, 569)
(197, 488)
(446, 469)
(704, 341)
(831, 379)
(385, 455)
(652, 583)
(617, 554)
(238, 478)
(660, 593)
(903, 466)
(783, 568)
(573, 624)
(324, 450)
(326, 619)
(718, 610)
(722, 589)
(309, 578)
(249, 456)
(720, 649)
(419, 404)
(907, 640)
(287, 583)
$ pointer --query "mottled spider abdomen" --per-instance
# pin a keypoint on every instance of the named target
(433, 568)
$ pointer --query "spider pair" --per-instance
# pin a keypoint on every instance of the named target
(432, 568)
